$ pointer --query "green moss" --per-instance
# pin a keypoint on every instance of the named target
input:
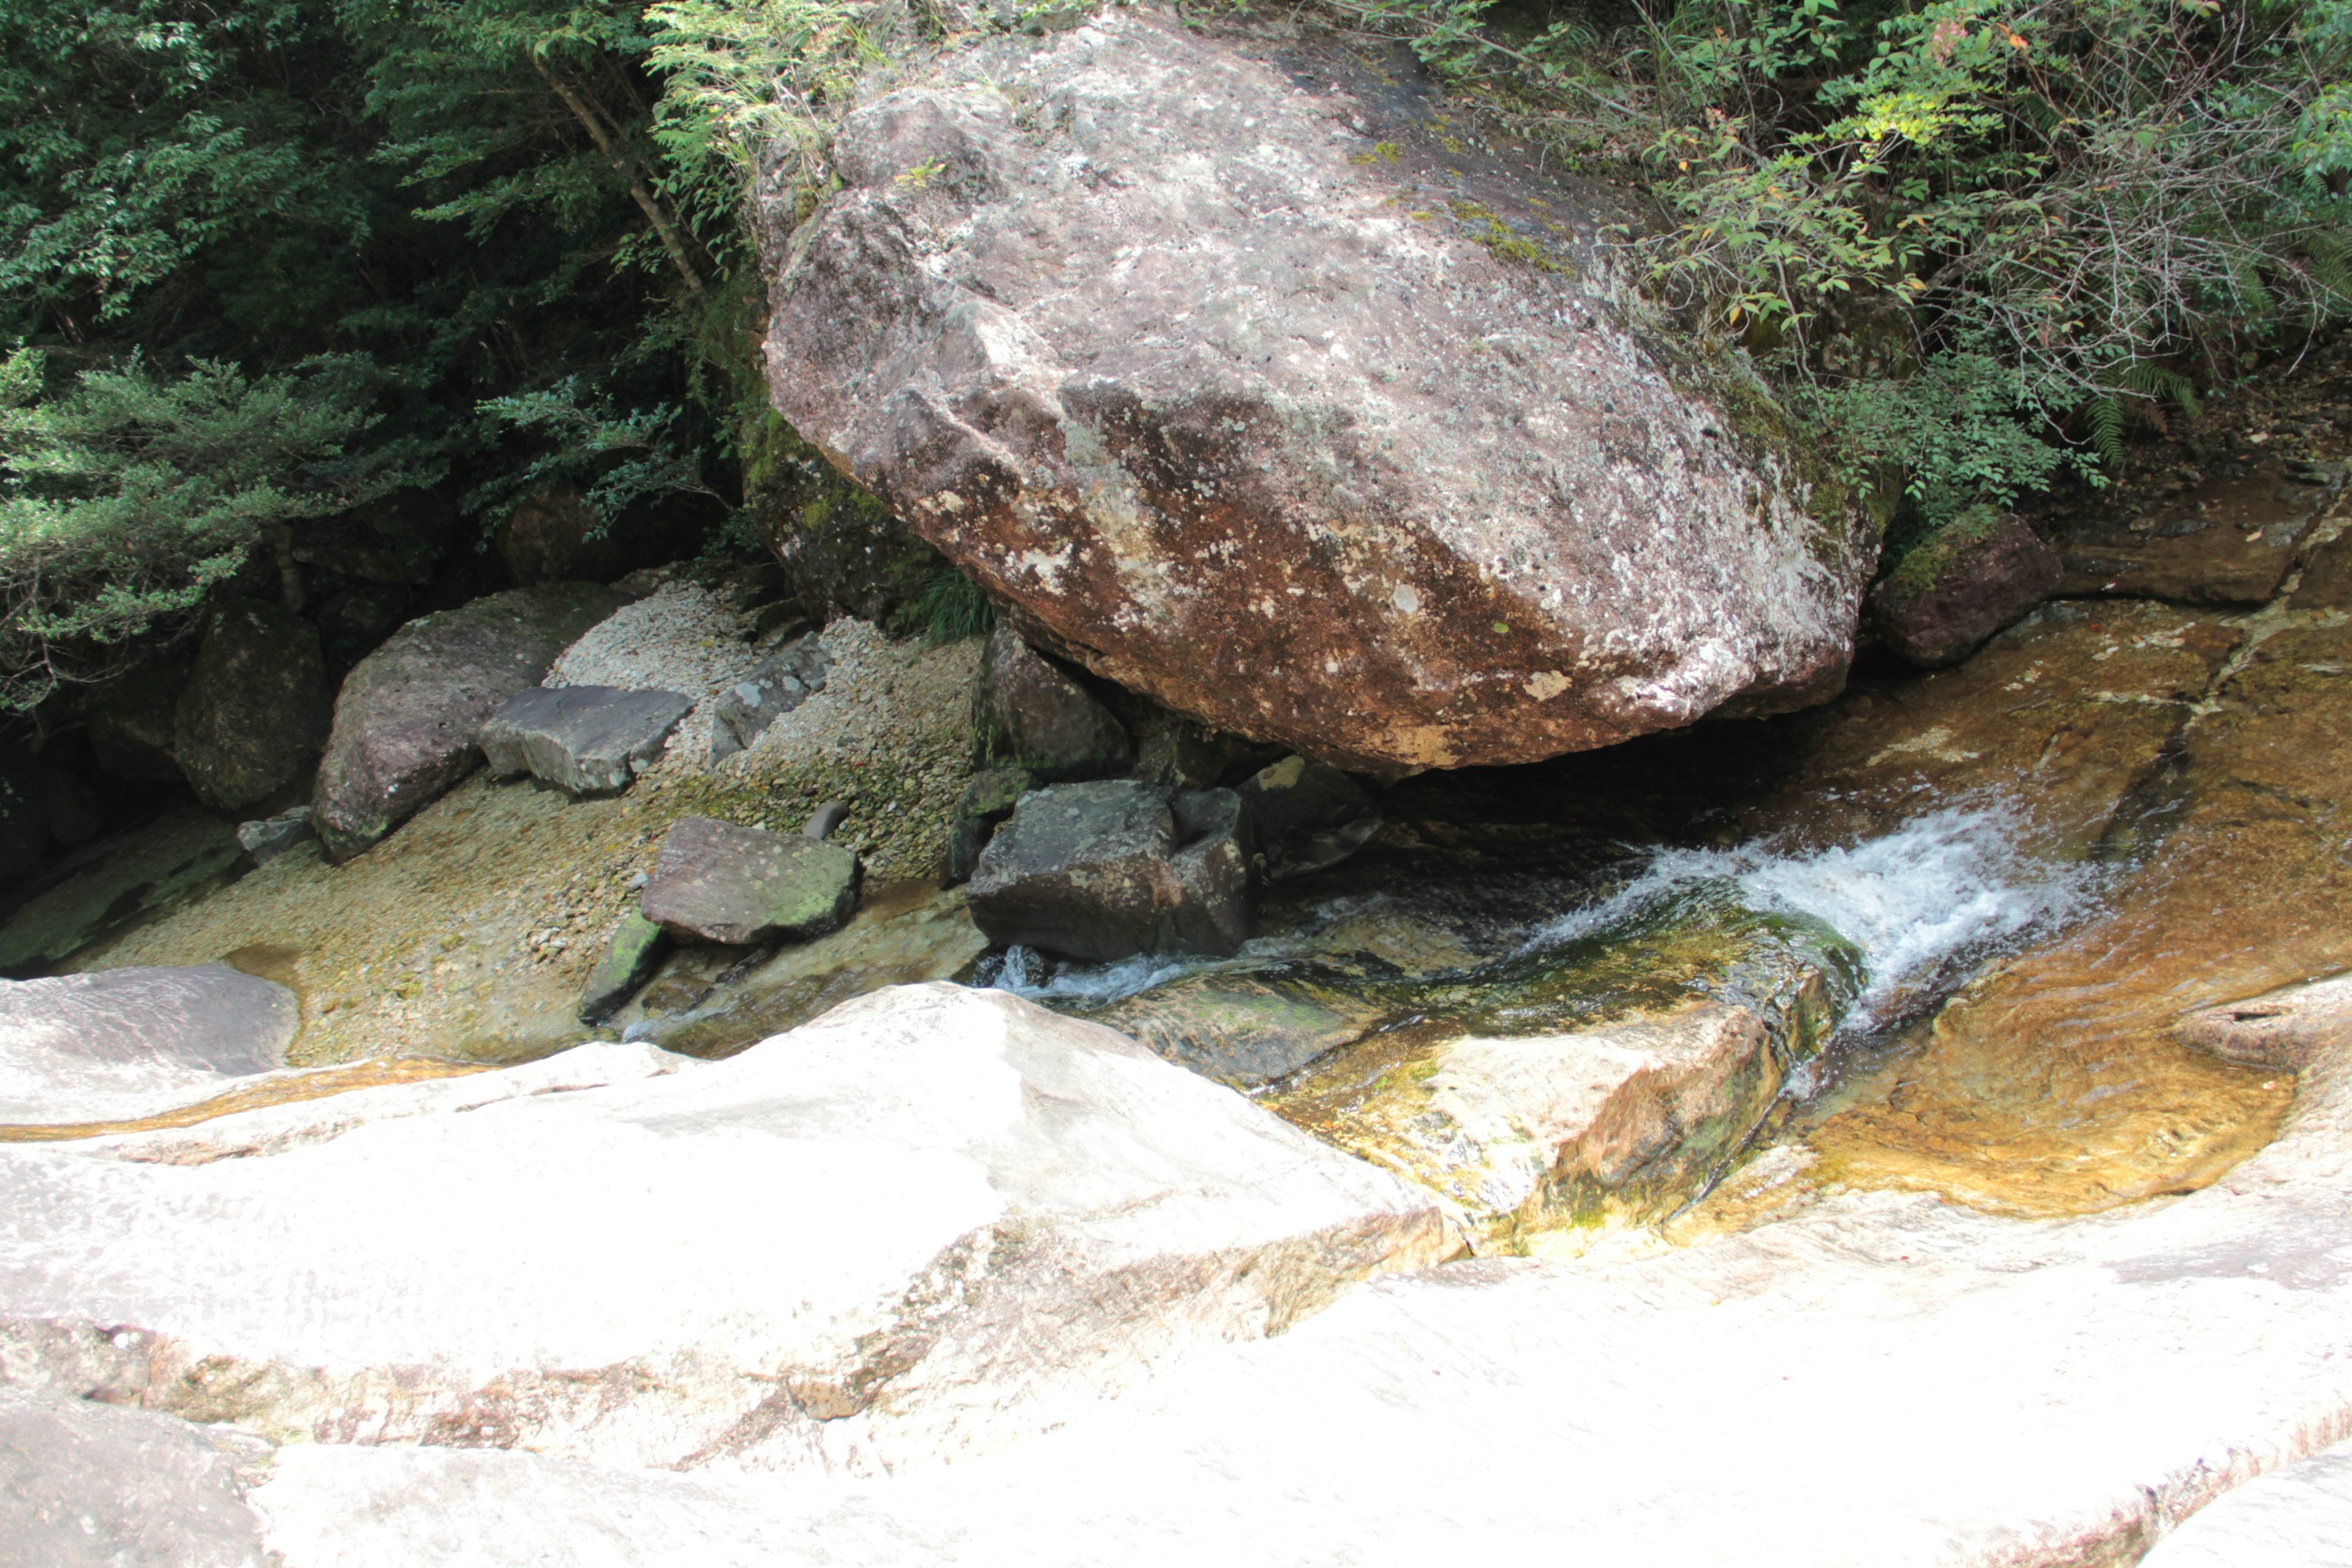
(1925, 563)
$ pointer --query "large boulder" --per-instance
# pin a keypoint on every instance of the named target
(407, 720)
(1028, 712)
(930, 1221)
(130, 1042)
(1111, 869)
(1252, 391)
(256, 705)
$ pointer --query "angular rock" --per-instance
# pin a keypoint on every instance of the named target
(585, 740)
(556, 537)
(265, 839)
(2326, 582)
(1027, 713)
(1263, 397)
(979, 811)
(630, 958)
(408, 718)
(775, 686)
(84, 1485)
(963, 1216)
(739, 886)
(257, 706)
(1113, 867)
(123, 1043)
(1959, 588)
(1307, 816)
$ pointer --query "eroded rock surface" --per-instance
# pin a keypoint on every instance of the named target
(129, 1042)
(407, 720)
(1203, 360)
(922, 1225)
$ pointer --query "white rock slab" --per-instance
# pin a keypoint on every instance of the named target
(927, 1222)
(124, 1043)
(1882, 1382)
(2296, 1517)
(84, 1485)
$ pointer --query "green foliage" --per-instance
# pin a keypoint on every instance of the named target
(951, 608)
(125, 501)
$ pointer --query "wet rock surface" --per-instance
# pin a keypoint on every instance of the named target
(257, 706)
(408, 718)
(585, 740)
(127, 1042)
(975, 1214)
(1028, 714)
(111, 883)
(636, 950)
(742, 886)
(265, 839)
(1115, 868)
(979, 811)
(1306, 818)
(1310, 441)
(1939, 606)
(2229, 540)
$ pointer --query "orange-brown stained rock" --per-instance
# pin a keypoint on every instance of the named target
(2057, 1083)
(1215, 373)
(284, 1089)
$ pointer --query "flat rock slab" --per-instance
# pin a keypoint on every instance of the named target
(408, 718)
(2228, 541)
(1252, 391)
(84, 1485)
(1114, 868)
(2299, 1516)
(123, 1043)
(740, 886)
(585, 740)
(922, 1225)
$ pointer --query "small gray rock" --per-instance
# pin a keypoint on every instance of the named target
(1028, 712)
(85, 1484)
(739, 886)
(773, 687)
(824, 819)
(629, 961)
(265, 839)
(585, 740)
(1115, 868)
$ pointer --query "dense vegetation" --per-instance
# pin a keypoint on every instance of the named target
(271, 262)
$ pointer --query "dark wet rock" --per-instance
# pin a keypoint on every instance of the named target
(1307, 816)
(1172, 749)
(108, 884)
(1961, 587)
(841, 549)
(128, 1042)
(2327, 580)
(636, 950)
(1028, 712)
(408, 718)
(1242, 1029)
(982, 807)
(86, 1485)
(773, 687)
(257, 706)
(131, 722)
(2227, 541)
(585, 740)
(717, 882)
(1114, 868)
(44, 805)
(556, 537)
(1189, 387)
(265, 839)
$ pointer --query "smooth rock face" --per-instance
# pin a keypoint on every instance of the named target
(129, 1042)
(1200, 360)
(256, 705)
(84, 1485)
(927, 1223)
(1936, 610)
(774, 686)
(1029, 714)
(1114, 868)
(408, 718)
(585, 740)
(2299, 1516)
(737, 886)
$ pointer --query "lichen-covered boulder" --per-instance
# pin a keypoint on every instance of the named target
(408, 719)
(256, 705)
(1246, 388)
(1028, 712)
(1978, 575)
